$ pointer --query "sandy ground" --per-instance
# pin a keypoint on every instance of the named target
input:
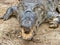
(9, 31)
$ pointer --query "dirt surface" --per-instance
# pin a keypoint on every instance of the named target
(9, 30)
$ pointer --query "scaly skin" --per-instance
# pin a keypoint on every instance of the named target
(30, 14)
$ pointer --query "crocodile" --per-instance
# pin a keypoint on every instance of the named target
(31, 13)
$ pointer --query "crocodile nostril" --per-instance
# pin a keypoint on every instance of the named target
(27, 22)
